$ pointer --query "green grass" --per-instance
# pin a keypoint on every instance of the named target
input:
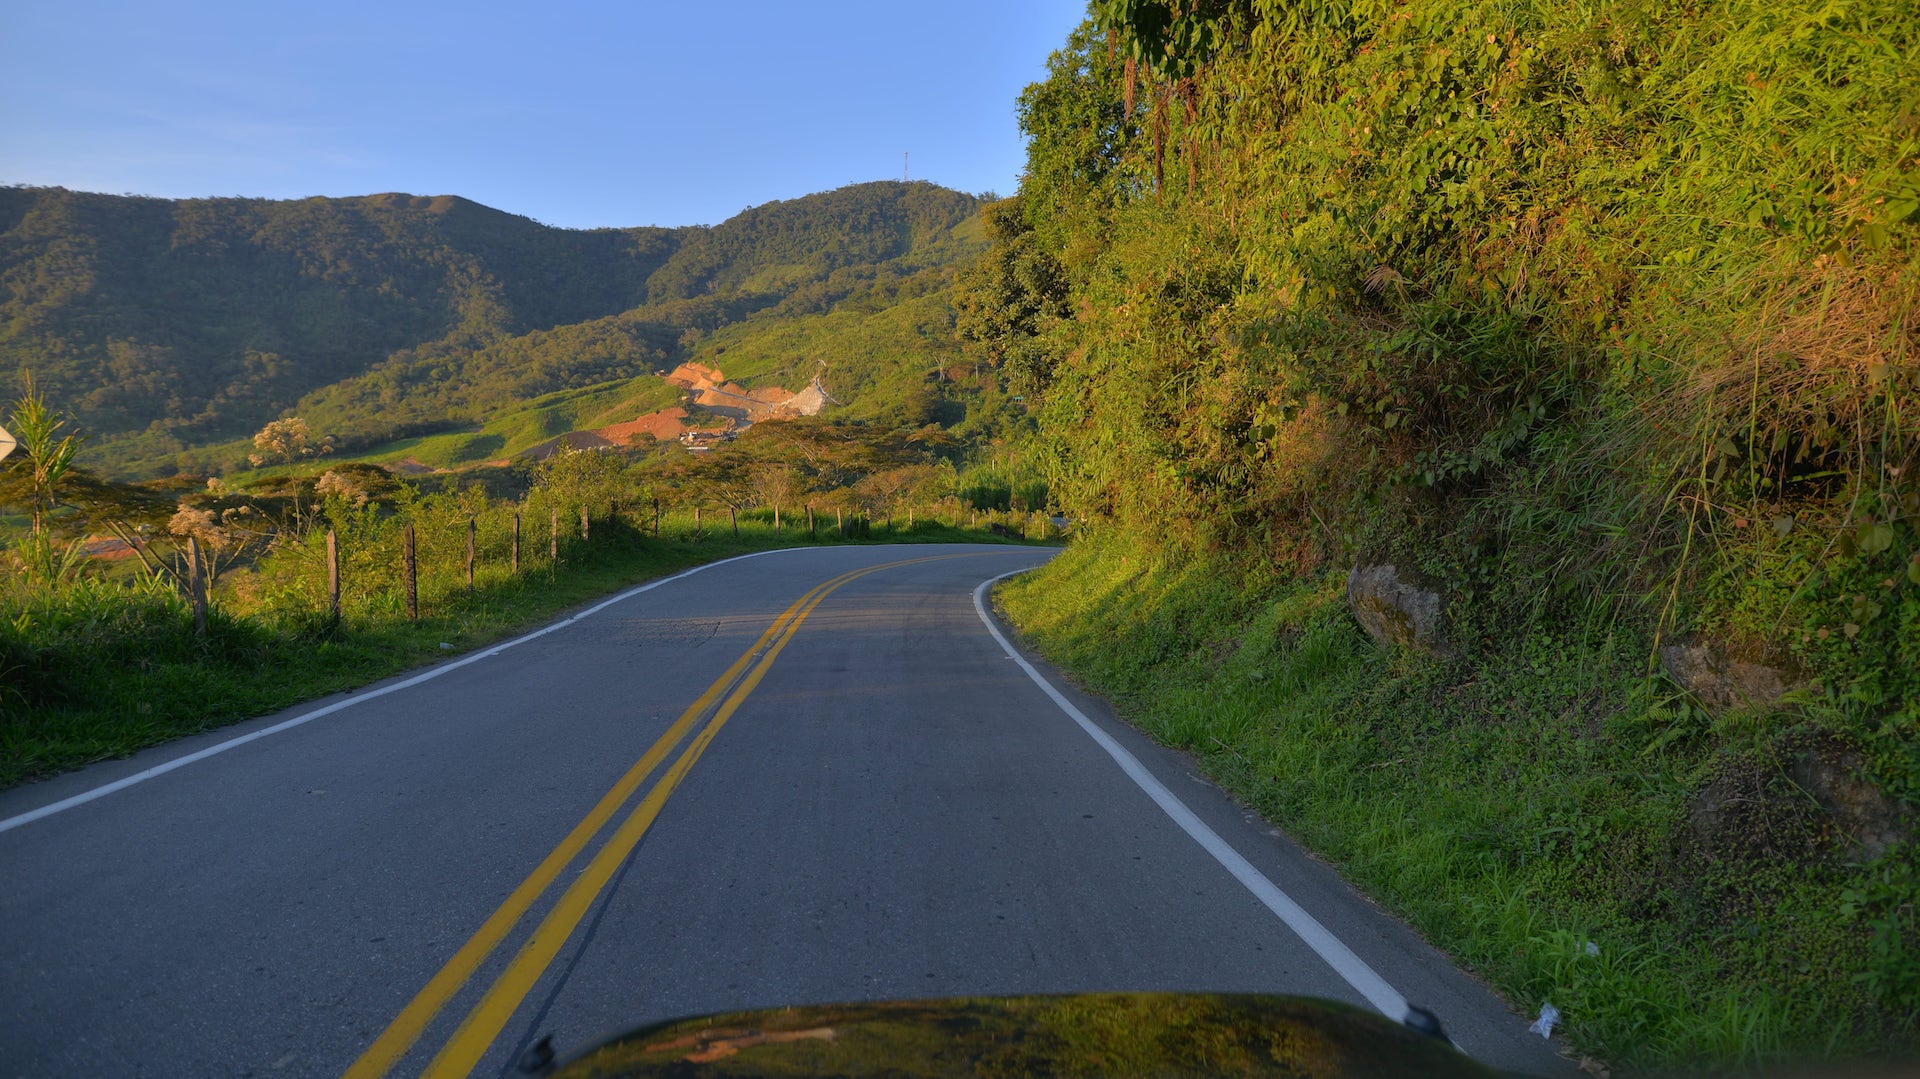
(522, 427)
(503, 433)
(95, 670)
(1513, 805)
(872, 357)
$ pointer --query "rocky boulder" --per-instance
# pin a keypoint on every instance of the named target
(1806, 802)
(1721, 676)
(1868, 819)
(1395, 610)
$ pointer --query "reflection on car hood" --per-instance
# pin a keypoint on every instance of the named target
(1134, 1034)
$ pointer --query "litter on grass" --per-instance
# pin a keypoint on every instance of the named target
(1543, 1026)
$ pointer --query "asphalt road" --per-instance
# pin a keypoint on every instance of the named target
(817, 795)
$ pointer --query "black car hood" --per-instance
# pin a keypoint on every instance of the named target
(1134, 1034)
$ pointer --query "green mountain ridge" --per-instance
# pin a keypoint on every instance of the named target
(171, 327)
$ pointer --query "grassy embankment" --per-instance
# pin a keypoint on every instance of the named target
(94, 669)
(1513, 804)
(1598, 324)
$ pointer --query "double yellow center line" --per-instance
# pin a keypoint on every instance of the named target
(477, 1032)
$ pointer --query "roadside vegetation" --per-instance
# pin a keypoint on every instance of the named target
(102, 656)
(1593, 331)
(1531, 810)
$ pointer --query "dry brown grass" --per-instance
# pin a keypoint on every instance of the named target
(1815, 385)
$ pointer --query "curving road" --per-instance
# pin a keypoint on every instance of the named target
(796, 777)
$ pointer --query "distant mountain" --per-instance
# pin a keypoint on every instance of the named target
(782, 245)
(167, 325)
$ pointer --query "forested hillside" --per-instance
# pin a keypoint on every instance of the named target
(781, 246)
(1571, 350)
(169, 325)
(781, 261)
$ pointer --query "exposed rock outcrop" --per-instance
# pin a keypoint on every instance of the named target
(712, 391)
(1395, 611)
(1748, 813)
(1815, 802)
(1723, 677)
(807, 402)
(1868, 820)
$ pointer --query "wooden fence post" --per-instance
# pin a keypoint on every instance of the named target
(696, 520)
(470, 531)
(409, 571)
(733, 516)
(840, 521)
(810, 530)
(776, 516)
(656, 517)
(196, 587)
(516, 543)
(583, 524)
(553, 539)
(333, 576)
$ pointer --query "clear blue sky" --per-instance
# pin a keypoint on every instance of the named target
(578, 114)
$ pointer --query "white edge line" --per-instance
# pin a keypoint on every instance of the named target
(493, 650)
(1316, 936)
